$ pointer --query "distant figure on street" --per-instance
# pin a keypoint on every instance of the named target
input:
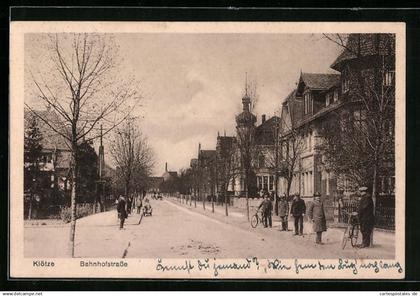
(283, 209)
(129, 204)
(147, 208)
(298, 210)
(266, 207)
(316, 214)
(139, 201)
(122, 212)
(366, 216)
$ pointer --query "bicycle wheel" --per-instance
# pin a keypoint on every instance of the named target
(345, 237)
(355, 238)
(254, 221)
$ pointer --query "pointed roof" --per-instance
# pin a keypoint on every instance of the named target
(292, 110)
(361, 45)
(319, 81)
(50, 139)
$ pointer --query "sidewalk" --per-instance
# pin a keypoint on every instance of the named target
(51, 240)
(384, 244)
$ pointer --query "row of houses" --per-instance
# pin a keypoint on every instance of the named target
(47, 173)
(284, 154)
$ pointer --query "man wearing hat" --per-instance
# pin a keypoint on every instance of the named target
(283, 211)
(366, 216)
(298, 210)
(267, 209)
(316, 214)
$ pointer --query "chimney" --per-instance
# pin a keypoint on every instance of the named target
(166, 166)
(199, 148)
(263, 118)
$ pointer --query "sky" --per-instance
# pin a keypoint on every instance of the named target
(192, 84)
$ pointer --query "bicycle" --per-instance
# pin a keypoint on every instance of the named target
(256, 218)
(351, 233)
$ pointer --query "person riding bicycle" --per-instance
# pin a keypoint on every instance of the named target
(266, 207)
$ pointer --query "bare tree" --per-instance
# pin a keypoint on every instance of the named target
(272, 156)
(291, 148)
(252, 92)
(247, 152)
(132, 155)
(33, 153)
(246, 137)
(81, 84)
(227, 170)
(371, 87)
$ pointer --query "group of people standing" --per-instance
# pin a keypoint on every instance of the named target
(316, 214)
(125, 206)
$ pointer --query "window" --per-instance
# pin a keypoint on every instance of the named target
(327, 184)
(335, 98)
(392, 184)
(311, 184)
(303, 183)
(271, 183)
(345, 82)
(328, 100)
(265, 186)
(307, 102)
(389, 77)
(359, 117)
(259, 186)
(310, 140)
(261, 161)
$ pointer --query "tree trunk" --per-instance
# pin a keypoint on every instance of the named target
(212, 203)
(247, 205)
(289, 184)
(204, 202)
(73, 199)
(276, 207)
(247, 195)
(374, 184)
(31, 198)
(127, 187)
(226, 203)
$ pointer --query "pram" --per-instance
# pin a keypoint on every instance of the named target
(147, 210)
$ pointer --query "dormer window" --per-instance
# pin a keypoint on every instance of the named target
(345, 82)
(307, 102)
(328, 99)
(335, 96)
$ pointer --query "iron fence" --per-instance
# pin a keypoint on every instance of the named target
(384, 213)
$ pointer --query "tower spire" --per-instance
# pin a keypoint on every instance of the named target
(246, 84)
(101, 134)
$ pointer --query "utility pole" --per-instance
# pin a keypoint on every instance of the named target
(100, 183)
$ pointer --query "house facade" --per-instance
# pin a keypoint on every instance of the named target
(365, 73)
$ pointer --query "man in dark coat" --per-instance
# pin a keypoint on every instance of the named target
(122, 212)
(267, 209)
(283, 209)
(298, 210)
(316, 214)
(366, 216)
